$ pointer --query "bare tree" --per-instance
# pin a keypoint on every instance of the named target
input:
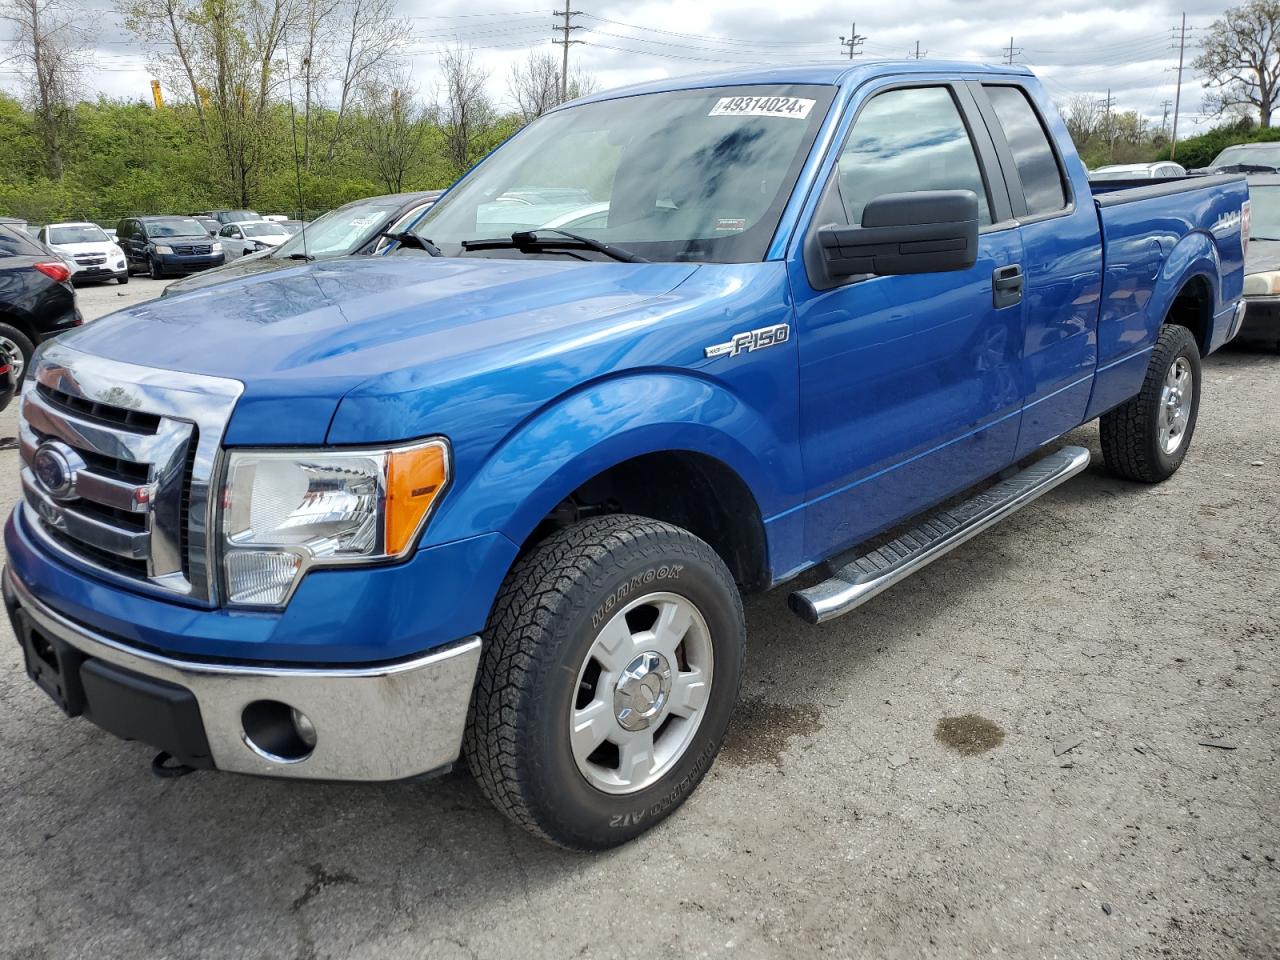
(370, 39)
(1241, 60)
(535, 85)
(1084, 117)
(228, 55)
(466, 114)
(392, 127)
(314, 36)
(49, 47)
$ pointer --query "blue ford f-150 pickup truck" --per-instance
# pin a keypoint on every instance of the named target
(496, 496)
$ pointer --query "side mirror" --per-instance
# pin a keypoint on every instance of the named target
(928, 231)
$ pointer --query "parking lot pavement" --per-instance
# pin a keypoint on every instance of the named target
(98, 299)
(1106, 633)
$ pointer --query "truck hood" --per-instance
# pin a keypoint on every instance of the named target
(300, 338)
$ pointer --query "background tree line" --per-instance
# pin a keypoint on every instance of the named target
(264, 100)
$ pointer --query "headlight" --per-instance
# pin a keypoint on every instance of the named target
(1262, 284)
(217, 246)
(161, 248)
(116, 251)
(286, 511)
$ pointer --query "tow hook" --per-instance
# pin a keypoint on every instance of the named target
(163, 769)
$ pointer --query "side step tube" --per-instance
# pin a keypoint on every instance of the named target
(859, 580)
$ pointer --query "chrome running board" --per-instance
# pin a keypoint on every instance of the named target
(859, 580)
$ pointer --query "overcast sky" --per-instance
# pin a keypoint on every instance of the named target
(1078, 47)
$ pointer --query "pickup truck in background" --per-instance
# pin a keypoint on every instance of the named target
(497, 495)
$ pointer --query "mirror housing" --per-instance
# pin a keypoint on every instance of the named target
(927, 231)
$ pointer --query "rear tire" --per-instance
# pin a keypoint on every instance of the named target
(1147, 437)
(16, 348)
(612, 662)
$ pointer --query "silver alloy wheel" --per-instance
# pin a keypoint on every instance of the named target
(642, 692)
(13, 353)
(1175, 405)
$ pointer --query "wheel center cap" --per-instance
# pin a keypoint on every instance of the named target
(642, 690)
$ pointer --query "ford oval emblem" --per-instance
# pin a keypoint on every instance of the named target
(55, 466)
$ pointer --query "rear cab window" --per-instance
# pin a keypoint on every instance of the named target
(1037, 164)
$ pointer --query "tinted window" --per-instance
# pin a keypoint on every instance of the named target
(14, 242)
(1037, 166)
(904, 141)
(264, 230)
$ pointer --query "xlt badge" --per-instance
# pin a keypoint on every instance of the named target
(750, 340)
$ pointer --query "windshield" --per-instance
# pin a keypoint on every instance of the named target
(697, 175)
(177, 227)
(237, 216)
(1264, 212)
(80, 234)
(1254, 156)
(340, 232)
(264, 230)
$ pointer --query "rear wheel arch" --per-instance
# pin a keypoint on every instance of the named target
(1192, 307)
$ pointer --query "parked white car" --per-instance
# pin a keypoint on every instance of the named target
(88, 251)
(251, 236)
(1139, 171)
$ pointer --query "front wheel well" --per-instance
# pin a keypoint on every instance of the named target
(689, 490)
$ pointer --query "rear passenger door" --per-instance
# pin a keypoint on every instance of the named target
(908, 384)
(1061, 260)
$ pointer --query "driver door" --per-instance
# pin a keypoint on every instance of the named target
(908, 384)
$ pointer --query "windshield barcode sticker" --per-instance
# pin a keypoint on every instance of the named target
(795, 108)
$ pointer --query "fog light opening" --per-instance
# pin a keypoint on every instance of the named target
(278, 732)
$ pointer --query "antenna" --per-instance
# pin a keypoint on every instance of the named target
(297, 164)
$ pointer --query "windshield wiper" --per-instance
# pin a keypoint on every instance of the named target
(301, 256)
(530, 240)
(408, 239)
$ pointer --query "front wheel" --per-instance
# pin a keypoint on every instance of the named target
(123, 278)
(154, 269)
(1146, 438)
(612, 663)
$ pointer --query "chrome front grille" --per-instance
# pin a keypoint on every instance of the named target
(118, 461)
(194, 249)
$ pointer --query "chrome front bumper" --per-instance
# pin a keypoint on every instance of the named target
(382, 722)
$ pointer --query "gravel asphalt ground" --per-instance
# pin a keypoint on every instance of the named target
(1060, 741)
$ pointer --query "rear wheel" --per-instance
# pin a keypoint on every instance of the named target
(611, 666)
(1146, 438)
(16, 349)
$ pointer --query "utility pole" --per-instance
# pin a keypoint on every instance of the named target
(1177, 96)
(566, 43)
(853, 42)
(1107, 104)
(1164, 123)
(1010, 52)
(918, 54)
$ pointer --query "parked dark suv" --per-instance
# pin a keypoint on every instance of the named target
(37, 300)
(164, 245)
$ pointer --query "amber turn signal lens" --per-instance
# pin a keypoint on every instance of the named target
(415, 478)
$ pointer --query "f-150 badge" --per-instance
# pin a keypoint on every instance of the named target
(750, 340)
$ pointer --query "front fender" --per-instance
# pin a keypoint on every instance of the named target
(599, 426)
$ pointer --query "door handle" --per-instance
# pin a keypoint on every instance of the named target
(1006, 286)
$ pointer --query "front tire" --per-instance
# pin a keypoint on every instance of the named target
(1147, 437)
(611, 666)
(154, 269)
(123, 278)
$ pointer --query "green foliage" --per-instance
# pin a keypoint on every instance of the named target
(1200, 151)
(128, 159)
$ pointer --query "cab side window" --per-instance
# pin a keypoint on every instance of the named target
(905, 141)
(1032, 153)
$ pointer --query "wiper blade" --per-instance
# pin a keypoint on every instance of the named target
(531, 240)
(301, 256)
(408, 239)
